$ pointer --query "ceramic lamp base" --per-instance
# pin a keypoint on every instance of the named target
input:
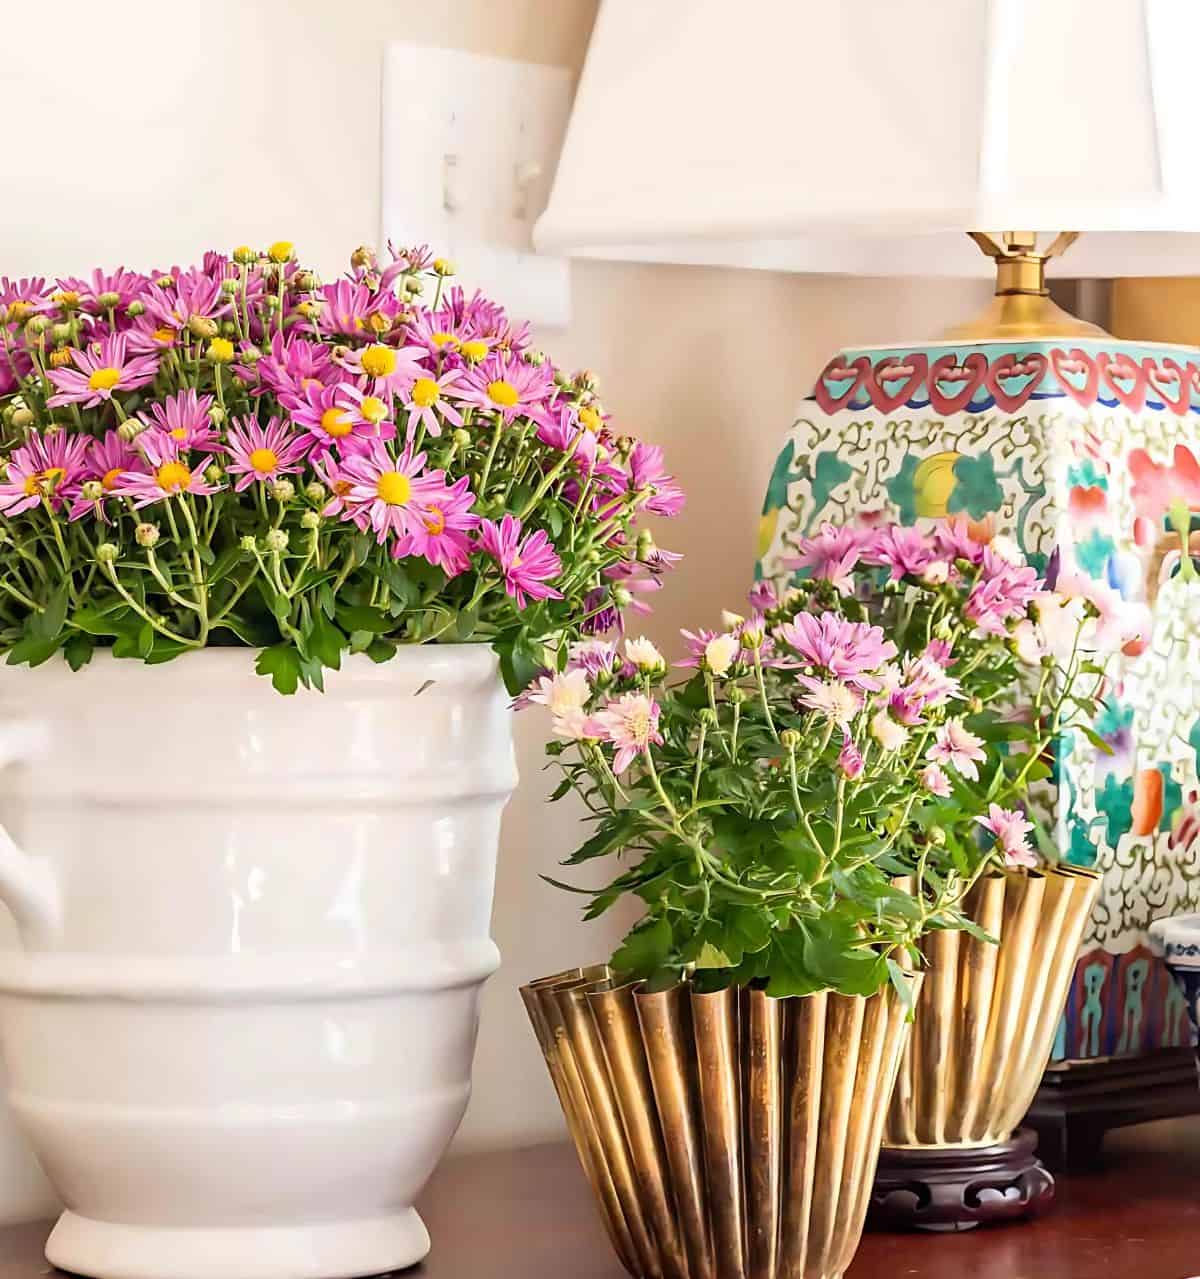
(325, 1250)
(958, 1188)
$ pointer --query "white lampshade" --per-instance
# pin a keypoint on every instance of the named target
(865, 136)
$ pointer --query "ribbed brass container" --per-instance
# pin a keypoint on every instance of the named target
(987, 1014)
(726, 1136)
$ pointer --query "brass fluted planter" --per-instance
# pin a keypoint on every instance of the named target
(728, 1135)
(987, 1014)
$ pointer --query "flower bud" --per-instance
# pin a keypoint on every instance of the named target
(229, 287)
(213, 474)
(303, 281)
(735, 695)
(708, 717)
(130, 430)
(216, 415)
(22, 418)
(310, 520)
(443, 266)
(363, 257)
(276, 540)
(270, 302)
(315, 491)
(106, 552)
(201, 326)
(536, 358)
(146, 535)
(220, 350)
(135, 308)
(413, 286)
(61, 358)
(461, 438)
(91, 490)
(244, 255)
(250, 355)
(248, 543)
(622, 597)
(280, 251)
(61, 333)
(283, 490)
(936, 836)
(164, 281)
(36, 325)
(790, 740)
(109, 299)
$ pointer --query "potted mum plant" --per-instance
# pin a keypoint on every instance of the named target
(267, 915)
(820, 791)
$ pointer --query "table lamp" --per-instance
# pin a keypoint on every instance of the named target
(900, 137)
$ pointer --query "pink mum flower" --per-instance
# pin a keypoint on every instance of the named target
(1010, 828)
(850, 759)
(118, 288)
(50, 466)
(646, 471)
(441, 534)
(388, 494)
(763, 597)
(426, 404)
(832, 554)
(349, 307)
(263, 453)
(1003, 591)
(565, 433)
(191, 293)
(185, 418)
(102, 368)
(525, 565)
(838, 703)
(108, 457)
(169, 474)
(367, 411)
(291, 365)
(954, 540)
(959, 747)
(902, 550)
(510, 388)
(936, 781)
(390, 369)
(849, 651)
(924, 685)
(319, 411)
(630, 723)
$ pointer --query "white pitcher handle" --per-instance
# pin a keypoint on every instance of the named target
(27, 886)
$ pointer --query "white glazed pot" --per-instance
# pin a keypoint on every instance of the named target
(254, 929)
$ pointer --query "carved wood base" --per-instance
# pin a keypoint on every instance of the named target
(933, 1188)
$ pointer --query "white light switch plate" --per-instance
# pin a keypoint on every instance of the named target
(470, 144)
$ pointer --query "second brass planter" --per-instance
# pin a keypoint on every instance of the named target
(727, 1135)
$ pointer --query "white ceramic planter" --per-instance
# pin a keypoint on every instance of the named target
(239, 1029)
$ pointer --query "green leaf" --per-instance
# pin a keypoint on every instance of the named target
(31, 650)
(381, 650)
(282, 663)
(352, 617)
(111, 619)
(325, 642)
(78, 651)
(645, 949)
(48, 624)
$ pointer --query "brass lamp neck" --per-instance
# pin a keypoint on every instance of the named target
(1022, 307)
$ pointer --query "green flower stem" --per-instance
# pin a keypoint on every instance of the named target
(762, 693)
(168, 589)
(497, 429)
(554, 472)
(165, 631)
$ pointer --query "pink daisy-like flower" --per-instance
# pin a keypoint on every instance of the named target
(367, 411)
(953, 540)
(936, 781)
(903, 551)
(441, 534)
(321, 410)
(168, 474)
(1003, 592)
(1010, 828)
(190, 294)
(565, 434)
(108, 457)
(713, 651)
(600, 658)
(349, 309)
(426, 404)
(646, 471)
(264, 453)
(185, 418)
(924, 685)
(526, 565)
(509, 387)
(630, 723)
(763, 597)
(292, 364)
(389, 495)
(102, 368)
(939, 651)
(850, 759)
(849, 651)
(957, 746)
(121, 285)
(50, 466)
(391, 370)
(832, 554)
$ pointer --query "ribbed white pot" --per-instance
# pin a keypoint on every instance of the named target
(254, 928)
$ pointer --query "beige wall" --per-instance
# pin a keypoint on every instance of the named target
(709, 363)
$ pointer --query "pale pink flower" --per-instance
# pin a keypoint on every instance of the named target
(629, 723)
(1010, 828)
(850, 759)
(936, 781)
(957, 746)
(837, 702)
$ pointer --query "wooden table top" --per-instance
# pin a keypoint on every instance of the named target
(527, 1214)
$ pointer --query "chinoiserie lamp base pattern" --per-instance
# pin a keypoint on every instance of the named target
(727, 1135)
(1086, 450)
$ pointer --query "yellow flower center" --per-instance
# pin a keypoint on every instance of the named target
(60, 359)
(590, 419)
(109, 482)
(425, 392)
(395, 489)
(373, 409)
(104, 379)
(475, 350)
(435, 521)
(336, 423)
(18, 310)
(163, 335)
(443, 339)
(377, 322)
(502, 393)
(67, 298)
(264, 461)
(379, 361)
(54, 475)
(280, 251)
(220, 350)
(173, 477)
(31, 485)
(179, 433)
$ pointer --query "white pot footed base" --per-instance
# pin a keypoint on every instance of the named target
(336, 1250)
